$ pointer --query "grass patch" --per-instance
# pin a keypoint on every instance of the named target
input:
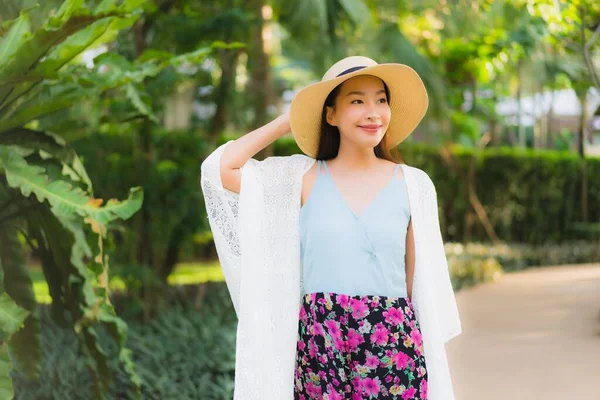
(184, 274)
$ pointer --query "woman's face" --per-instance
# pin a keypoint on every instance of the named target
(361, 113)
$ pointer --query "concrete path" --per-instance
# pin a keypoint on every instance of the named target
(532, 335)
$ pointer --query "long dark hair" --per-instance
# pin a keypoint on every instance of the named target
(329, 141)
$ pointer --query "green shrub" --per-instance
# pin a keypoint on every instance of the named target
(182, 354)
(476, 263)
(465, 273)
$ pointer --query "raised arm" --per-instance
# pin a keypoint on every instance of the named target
(244, 148)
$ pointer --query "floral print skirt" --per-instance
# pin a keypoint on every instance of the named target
(358, 347)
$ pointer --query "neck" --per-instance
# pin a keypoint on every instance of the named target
(356, 158)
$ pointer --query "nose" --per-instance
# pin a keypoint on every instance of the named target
(373, 113)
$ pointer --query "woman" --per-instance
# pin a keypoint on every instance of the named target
(336, 268)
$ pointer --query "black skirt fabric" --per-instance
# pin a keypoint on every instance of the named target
(358, 347)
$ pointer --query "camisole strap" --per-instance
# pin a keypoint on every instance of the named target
(326, 167)
(319, 168)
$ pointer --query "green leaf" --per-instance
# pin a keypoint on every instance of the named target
(139, 104)
(356, 9)
(117, 328)
(6, 386)
(97, 361)
(197, 56)
(19, 32)
(11, 317)
(55, 273)
(65, 11)
(51, 144)
(67, 245)
(119, 209)
(65, 199)
(98, 33)
(72, 17)
(131, 5)
(25, 344)
(40, 107)
(106, 6)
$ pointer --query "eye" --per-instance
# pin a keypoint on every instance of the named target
(354, 101)
(383, 100)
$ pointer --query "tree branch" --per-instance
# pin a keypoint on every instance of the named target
(586, 54)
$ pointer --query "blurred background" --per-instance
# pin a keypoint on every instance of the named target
(110, 286)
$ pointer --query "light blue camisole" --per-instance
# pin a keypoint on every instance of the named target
(351, 254)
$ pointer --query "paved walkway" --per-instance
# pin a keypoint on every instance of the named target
(532, 335)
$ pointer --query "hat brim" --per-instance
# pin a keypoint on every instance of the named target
(408, 104)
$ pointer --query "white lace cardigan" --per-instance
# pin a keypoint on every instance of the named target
(256, 234)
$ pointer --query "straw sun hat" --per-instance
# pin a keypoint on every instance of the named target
(408, 100)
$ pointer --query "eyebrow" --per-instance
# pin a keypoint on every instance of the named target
(363, 93)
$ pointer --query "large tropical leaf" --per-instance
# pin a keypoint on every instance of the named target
(51, 144)
(73, 19)
(6, 386)
(39, 107)
(64, 198)
(79, 83)
(66, 242)
(18, 33)
(25, 344)
(11, 317)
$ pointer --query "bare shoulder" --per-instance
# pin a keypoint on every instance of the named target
(308, 180)
(391, 166)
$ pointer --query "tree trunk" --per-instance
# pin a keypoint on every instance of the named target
(581, 151)
(469, 179)
(582, 95)
(259, 85)
(520, 127)
(550, 122)
(228, 60)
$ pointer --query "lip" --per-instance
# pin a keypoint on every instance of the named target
(370, 128)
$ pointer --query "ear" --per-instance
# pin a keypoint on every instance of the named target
(330, 116)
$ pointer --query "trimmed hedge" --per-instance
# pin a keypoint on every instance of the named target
(530, 196)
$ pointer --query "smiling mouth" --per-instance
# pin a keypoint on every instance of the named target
(370, 128)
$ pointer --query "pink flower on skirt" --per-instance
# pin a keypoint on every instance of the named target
(338, 343)
(313, 390)
(409, 393)
(393, 316)
(371, 386)
(416, 337)
(333, 395)
(319, 329)
(372, 361)
(354, 339)
(356, 396)
(303, 316)
(381, 335)
(333, 327)
(342, 300)
(423, 388)
(359, 309)
(401, 360)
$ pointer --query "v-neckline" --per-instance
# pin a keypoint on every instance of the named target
(371, 202)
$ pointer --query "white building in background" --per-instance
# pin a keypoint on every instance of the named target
(566, 112)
